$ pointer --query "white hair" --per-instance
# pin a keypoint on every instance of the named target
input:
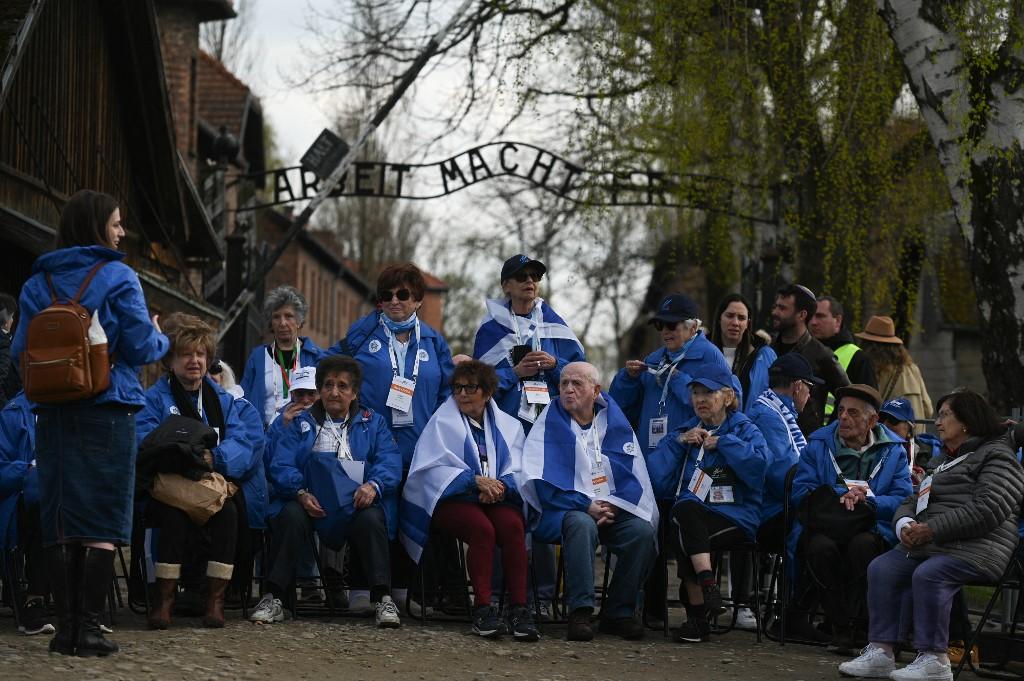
(693, 324)
(587, 369)
(285, 295)
(227, 379)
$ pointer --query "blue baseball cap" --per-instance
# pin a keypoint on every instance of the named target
(899, 409)
(676, 308)
(712, 376)
(518, 262)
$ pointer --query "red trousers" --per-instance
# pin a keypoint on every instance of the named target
(482, 527)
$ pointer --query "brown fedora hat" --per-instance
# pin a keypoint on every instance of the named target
(880, 329)
(860, 391)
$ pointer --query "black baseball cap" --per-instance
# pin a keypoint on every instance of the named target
(518, 262)
(794, 365)
(675, 308)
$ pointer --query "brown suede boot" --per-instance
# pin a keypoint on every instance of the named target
(214, 617)
(167, 575)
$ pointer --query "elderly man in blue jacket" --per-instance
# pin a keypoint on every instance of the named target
(861, 467)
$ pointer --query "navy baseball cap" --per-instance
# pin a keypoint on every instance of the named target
(794, 365)
(518, 262)
(713, 376)
(676, 308)
(899, 409)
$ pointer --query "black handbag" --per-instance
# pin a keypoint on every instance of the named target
(821, 511)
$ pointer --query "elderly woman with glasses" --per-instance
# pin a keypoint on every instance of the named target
(525, 341)
(268, 373)
(654, 392)
(461, 483)
(406, 364)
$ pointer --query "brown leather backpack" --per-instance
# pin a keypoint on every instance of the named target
(58, 364)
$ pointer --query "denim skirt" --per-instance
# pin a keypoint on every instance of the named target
(86, 460)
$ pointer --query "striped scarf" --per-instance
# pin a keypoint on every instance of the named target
(796, 436)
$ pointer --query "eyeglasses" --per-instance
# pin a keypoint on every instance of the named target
(944, 414)
(403, 294)
(468, 388)
(521, 277)
(659, 325)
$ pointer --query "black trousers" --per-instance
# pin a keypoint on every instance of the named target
(701, 530)
(839, 571)
(30, 540)
(175, 527)
(292, 530)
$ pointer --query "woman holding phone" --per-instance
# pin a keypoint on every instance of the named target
(525, 341)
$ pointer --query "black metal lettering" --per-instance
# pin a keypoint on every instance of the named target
(511, 169)
(537, 164)
(339, 190)
(451, 173)
(656, 187)
(282, 185)
(567, 184)
(310, 184)
(399, 171)
(363, 175)
(477, 162)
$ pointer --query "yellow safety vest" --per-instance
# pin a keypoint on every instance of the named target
(844, 353)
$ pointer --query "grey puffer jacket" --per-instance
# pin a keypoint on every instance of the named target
(974, 507)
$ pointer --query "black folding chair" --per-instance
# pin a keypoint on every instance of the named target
(1012, 578)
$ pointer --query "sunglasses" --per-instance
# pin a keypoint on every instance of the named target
(403, 294)
(521, 277)
(215, 369)
(659, 325)
(468, 388)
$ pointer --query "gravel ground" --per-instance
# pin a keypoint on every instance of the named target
(352, 649)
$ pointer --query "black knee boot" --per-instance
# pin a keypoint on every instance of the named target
(95, 577)
(62, 567)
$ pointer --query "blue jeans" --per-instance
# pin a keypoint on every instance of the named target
(901, 587)
(629, 538)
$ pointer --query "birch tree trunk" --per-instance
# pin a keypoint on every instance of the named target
(973, 105)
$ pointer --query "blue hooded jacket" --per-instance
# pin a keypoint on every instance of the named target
(239, 456)
(782, 455)
(368, 344)
(17, 453)
(758, 375)
(253, 381)
(639, 397)
(891, 485)
(117, 295)
(741, 447)
(369, 440)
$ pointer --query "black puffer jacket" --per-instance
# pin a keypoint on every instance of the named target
(974, 506)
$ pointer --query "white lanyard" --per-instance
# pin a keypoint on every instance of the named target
(697, 463)
(670, 368)
(535, 317)
(341, 438)
(481, 457)
(949, 464)
(199, 404)
(393, 355)
(874, 471)
(596, 442)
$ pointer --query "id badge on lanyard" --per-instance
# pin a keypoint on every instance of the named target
(657, 427)
(850, 484)
(924, 490)
(536, 392)
(700, 481)
(402, 389)
(598, 476)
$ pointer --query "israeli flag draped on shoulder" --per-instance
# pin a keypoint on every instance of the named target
(545, 458)
(442, 452)
(501, 330)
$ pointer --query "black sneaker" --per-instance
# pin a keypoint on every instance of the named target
(486, 622)
(521, 625)
(694, 631)
(34, 620)
(579, 625)
(626, 627)
(712, 600)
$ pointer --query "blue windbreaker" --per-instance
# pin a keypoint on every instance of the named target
(116, 293)
(239, 455)
(253, 381)
(369, 440)
(639, 397)
(782, 454)
(368, 344)
(758, 375)
(741, 448)
(17, 454)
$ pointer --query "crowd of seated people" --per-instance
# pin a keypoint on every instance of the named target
(384, 442)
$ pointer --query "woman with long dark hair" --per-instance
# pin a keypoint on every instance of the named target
(85, 449)
(748, 354)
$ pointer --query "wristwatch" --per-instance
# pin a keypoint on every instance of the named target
(300, 493)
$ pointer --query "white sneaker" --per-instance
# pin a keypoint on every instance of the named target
(873, 663)
(386, 614)
(268, 610)
(926, 667)
(745, 619)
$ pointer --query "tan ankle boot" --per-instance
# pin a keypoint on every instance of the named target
(161, 611)
(217, 577)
